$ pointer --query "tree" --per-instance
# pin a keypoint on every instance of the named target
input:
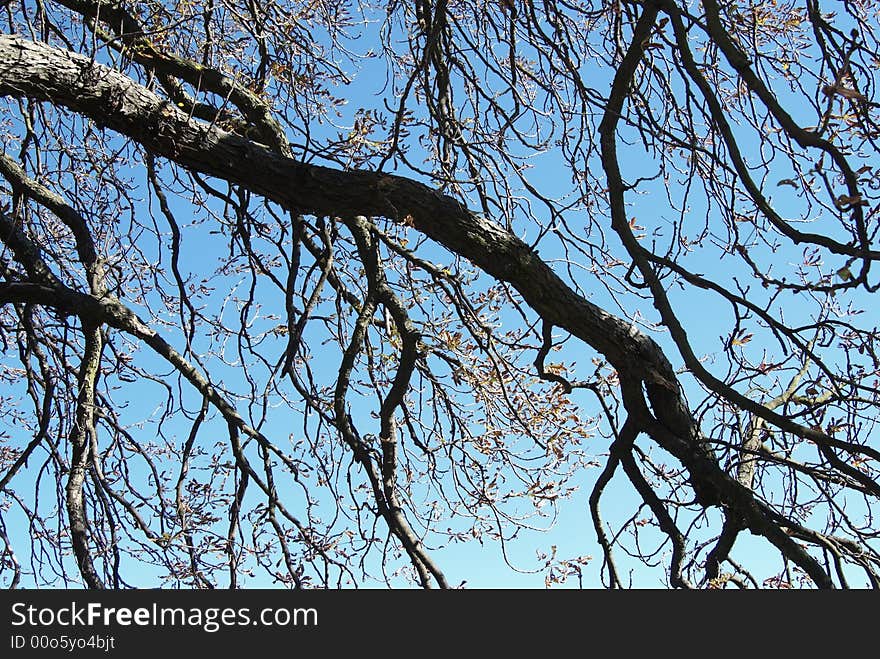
(301, 292)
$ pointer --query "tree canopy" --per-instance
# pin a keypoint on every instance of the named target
(309, 293)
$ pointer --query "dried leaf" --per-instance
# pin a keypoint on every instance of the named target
(742, 339)
(844, 200)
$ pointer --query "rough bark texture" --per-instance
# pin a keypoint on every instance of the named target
(114, 101)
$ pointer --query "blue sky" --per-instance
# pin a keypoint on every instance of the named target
(474, 563)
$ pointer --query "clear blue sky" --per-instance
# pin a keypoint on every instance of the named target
(477, 564)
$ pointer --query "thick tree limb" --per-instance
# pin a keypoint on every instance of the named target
(80, 442)
(114, 101)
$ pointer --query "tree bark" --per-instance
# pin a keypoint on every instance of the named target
(114, 101)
